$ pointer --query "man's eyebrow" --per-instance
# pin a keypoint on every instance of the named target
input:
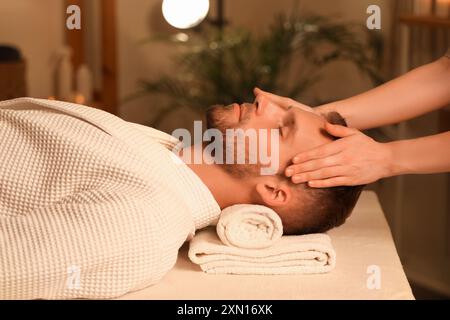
(290, 119)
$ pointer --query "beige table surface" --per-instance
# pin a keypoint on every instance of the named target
(363, 241)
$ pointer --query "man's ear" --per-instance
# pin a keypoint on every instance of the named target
(274, 193)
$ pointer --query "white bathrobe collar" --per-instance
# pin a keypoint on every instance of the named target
(204, 207)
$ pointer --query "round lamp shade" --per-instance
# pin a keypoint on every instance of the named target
(183, 14)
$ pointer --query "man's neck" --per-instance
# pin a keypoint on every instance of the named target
(226, 189)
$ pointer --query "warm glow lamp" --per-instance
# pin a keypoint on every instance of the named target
(183, 14)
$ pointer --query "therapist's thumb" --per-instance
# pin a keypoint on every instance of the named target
(339, 131)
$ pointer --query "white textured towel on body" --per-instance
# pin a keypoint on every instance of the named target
(312, 253)
(249, 226)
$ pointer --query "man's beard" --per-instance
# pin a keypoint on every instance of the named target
(217, 117)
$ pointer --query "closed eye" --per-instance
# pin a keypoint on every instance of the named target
(289, 124)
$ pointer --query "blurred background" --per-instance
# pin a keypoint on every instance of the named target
(147, 64)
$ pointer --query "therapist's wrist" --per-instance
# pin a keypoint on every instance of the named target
(397, 162)
(383, 165)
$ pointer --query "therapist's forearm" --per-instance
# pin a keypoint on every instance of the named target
(420, 91)
(420, 156)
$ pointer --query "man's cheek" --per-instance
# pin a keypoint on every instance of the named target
(269, 147)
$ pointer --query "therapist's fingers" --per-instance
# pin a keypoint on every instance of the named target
(323, 151)
(332, 182)
(283, 102)
(328, 149)
(313, 165)
(320, 174)
(363, 159)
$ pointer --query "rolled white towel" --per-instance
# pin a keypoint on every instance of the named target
(249, 226)
(306, 254)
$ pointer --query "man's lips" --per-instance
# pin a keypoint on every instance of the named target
(240, 110)
(246, 110)
(237, 111)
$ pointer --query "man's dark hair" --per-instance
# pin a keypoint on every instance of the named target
(327, 207)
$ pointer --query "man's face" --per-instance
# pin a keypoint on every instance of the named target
(299, 130)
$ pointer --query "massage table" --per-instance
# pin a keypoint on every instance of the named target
(364, 247)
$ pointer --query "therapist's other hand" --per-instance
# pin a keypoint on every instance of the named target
(355, 159)
(281, 101)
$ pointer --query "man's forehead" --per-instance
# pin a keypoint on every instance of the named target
(310, 131)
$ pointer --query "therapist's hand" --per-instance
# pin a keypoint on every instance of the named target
(355, 159)
(281, 101)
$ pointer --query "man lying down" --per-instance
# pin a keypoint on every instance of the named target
(92, 206)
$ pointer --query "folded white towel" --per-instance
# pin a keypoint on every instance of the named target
(304, 254)
(249, 226)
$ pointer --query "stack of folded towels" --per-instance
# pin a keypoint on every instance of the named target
(249, 240)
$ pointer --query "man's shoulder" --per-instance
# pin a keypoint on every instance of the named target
(161, 137)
